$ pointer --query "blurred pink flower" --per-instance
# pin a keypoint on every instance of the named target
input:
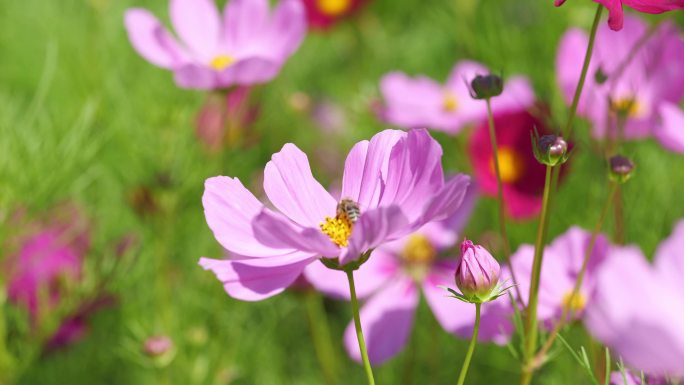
(422, 102)
(638, 309)
(223, 118)
(522, 175)
(646, 84)
(247, 45)
(395, 180)
(616, 14)
(47, 259)
(392, 281)
(562, 263)
(616, 378)
(323, 14)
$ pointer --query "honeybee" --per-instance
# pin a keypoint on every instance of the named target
(349, 209)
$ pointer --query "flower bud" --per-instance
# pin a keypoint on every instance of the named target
(486, 86)
(621, 168)
(551, 150)
(157, 346)
(477, 274)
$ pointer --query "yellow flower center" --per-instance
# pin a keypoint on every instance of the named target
(511, 165)
(338, 229)
(221, 62)
(574, 303)
(450, 103)
(333, 8)
(418, 250)
(628, 106)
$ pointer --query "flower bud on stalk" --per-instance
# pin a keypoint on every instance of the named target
(477, 274)
(551, 150)
(160, 349)
(486, 86)
(621, 168)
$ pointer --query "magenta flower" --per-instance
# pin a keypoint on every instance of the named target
(423, 102)
(646, 88)
(616, 15)
(392, 185)
(323, 14)
(246, 45)
(637, 310)
(562, 263)
(522, 175)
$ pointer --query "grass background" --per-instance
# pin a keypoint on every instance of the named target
(83, 118)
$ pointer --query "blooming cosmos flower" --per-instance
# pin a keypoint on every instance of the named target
(322, 14)
(640, 79)
(48, 257)
(521, 174)
(423, 102)
(638, 309)
(394, 184)
(392, 280)
(246, 45)
(561, 265)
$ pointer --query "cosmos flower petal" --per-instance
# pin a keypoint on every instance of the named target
(292, 189)
(518, 95)
(386, 320)
(288, 27)
(371, 276)
(195, 76)
(670, 133)
(244, 20)
(615, 13)
(365, 166)
(229, 209)
(374, 228)
(572, 48)
(198, 25)
(257, 279)
(151, 40)
(446, 201)
(250, 70)
(412, 102)
(275, 230)
(669, 257)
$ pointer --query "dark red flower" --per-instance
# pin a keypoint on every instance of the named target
(322, 14)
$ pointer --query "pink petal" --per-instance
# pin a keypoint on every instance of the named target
(249, 71)
(446, 201)
(365, 166)
(275, 230)
(244, 21)
(198, 25)
(288, 28)
(374, 228)
(372, 275)
(411, 102)
(517, 95)
(670, 133)
(257, 279)
(615, 13)
(386, 321)
(292, 189)
(195, 76)
(569, 58)
(669, 256)
(151, 40)
(230, 210)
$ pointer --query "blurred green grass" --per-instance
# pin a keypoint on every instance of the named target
(84, 118)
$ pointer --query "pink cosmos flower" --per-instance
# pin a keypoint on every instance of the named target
(638, 309)
(391, 283)
(49, 256)
(392, 185)
(247, 45)
(423, 102)
(323, 14)
(562, 263)
(522, 175)
(616, 16)
(647, 88)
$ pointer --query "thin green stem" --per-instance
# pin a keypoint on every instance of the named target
(539, 357)
(567, 132)
(531, 314)
(471, 347)
(320, 334)
(499, 192)
(357, 325)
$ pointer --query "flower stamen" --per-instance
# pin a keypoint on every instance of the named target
(576, 303)
(221, 62)
(334, 8)
(449, 103)
(511, 165)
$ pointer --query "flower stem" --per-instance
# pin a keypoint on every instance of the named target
(357, 325)
(539, 357)
(531, 313)
(471, 347)
(499, 191)
(567, 132)
(320, 335)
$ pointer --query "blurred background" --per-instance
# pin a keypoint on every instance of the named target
(98, 142)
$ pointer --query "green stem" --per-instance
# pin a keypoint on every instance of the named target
(567, 132)
(471, 347)
(531, 316)
(320, 335)
(499, 192)
(357, 325)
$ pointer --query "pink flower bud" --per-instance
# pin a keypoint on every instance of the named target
(156, 346)
(477, 274)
